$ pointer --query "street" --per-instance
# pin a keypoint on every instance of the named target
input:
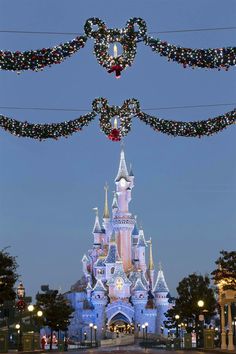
(137, 349)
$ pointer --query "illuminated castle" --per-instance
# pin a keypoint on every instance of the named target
(117, 291)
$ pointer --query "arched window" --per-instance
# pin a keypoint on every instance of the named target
(112, 270)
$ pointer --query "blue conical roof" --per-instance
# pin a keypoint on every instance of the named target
(160, 286)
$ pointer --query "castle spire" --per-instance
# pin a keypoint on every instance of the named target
(106, 210)
(97, 227)
(151, 263)
(160, 286)
(123, 171)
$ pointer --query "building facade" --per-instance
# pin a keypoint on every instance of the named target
(118, 290)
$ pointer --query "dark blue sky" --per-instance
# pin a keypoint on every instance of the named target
(185, 187)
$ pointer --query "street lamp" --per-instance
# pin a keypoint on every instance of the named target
(146, 329)
(95, 334)
(143, 327)
(85, 336)
(200, 304)
(91, 334)
(177, 328)
(30, 309)
(39, 313)
(138, 325)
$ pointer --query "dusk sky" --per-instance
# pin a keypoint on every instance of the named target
(185, 188)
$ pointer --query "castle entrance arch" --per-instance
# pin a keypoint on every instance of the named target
(120, 317)
(120, 324)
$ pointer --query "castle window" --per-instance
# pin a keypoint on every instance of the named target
(97, 315)
(112, 270)
(141, 311)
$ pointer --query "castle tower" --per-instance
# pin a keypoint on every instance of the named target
(112, 257)
(123, 221)
(99, 301)
(96, 230)
(139, 300)
(85, 262)
(161, 291)
(141, 246)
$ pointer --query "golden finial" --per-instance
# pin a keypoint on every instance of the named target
(151, 263)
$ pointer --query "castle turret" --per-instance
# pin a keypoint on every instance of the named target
(139, 300)
(85, 262)
(141, 246)
(97, 230)
(161, 291)
(112, 257)
(99, 301)
(123, 221)
(114, 204)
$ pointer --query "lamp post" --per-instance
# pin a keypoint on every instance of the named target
(21, 307)
(91, 334)
(30, 309)
(177, 327)
(143, 327)
(200, 304)
(95, 334)
(85, 336)
(146, 330)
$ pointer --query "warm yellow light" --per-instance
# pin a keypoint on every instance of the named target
(177, 317)
(40, 313)
(115, 51)
(115, 123)
(95, 327)
(146, 324)
(143, 326)
(91, 325)
(31, 308)
(200, 303)
(17, 326)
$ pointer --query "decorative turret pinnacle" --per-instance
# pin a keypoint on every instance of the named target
(114, 203)
(99, 286)
(151, 263)
(97, 227)
(131, 171)
(160, 286)
(141, 239)
(135, 231)
(139, 286)
(106, 210)
(122, 172)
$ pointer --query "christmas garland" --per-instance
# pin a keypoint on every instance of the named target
(134, 32)
(37, 59)
(115, 122)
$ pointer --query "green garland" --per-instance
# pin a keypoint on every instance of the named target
(123, 114)
(134, 32)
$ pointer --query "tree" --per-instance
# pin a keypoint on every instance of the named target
(56, 309)
(8, 276)
(190, 290)
(225, 274)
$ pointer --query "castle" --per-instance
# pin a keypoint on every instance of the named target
(117, 291)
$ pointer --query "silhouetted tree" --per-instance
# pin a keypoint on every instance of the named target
(190, 290)
(225, 274)
(8, 276)
(56, 309)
